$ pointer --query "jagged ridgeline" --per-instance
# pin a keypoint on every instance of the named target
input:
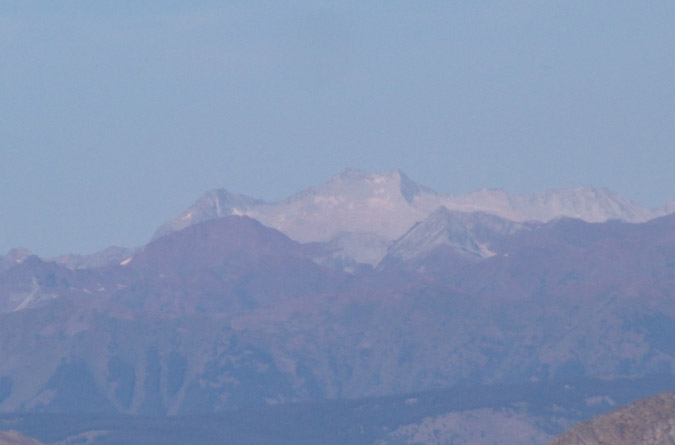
(369, 285)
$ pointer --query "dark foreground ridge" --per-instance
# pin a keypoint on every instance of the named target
(645, 422)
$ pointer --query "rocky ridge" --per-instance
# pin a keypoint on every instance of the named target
(645, 422)
(229, 313)
(355, 203)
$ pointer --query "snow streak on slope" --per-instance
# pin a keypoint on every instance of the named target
(470, 235)
(211, 205)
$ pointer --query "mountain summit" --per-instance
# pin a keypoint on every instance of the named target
(352, 202)
(382, 207)
(213, 204)
(230, 313)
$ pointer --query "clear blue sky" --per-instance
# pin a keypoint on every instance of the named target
(117, 115)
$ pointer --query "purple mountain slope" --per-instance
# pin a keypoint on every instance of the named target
(211, 205)
(230, 313)
(232, 263)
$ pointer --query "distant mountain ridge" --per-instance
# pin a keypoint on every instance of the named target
(213, 204)
(360, 215)
(385, 206)
(471, 235)
(402, 295)
(229, 313)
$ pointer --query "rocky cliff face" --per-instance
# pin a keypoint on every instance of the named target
(645, 422)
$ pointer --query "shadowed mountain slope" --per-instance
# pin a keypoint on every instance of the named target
(228, 313)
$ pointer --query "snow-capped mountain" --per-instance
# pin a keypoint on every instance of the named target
(383, 207)
(213, 204)
(229, 313)
(585, 203)
(471, 236)
(352, 202)
(14, 256)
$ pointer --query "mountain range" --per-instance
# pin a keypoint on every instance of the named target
(365, 286)
(361, 214)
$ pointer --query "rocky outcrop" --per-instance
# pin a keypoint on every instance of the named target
(645, 422)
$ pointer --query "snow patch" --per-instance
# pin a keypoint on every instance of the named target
(485, 250)
(35, 288)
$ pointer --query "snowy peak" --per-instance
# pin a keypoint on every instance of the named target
(356, 205)
(15, 256)
(213, 204)
(350, 174)
(353, 201)
(471, 236)
(18, 254)
(494, 201)
(587, 203)
(356, 184)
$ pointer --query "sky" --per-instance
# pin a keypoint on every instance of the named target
(117, 115)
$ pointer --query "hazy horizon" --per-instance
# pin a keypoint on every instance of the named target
(118, 115)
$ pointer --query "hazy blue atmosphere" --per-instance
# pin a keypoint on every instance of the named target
(116, 116)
